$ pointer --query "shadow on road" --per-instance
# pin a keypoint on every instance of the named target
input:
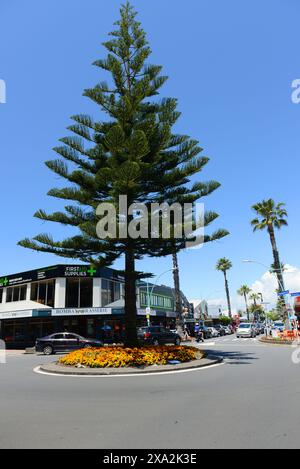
(235, 358)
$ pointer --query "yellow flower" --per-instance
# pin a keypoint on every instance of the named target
(115, 357)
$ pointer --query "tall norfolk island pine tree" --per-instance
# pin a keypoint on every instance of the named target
(132, 152)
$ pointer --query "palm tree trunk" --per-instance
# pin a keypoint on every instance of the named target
(178, 307)
(276, 257)
(227, 295)
(130, 299)
(247, 308)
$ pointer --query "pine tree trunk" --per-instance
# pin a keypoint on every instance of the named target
(277, 264)
(227, 295)
(178, 306)
(130, 300)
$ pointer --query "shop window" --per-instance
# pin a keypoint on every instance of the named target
(156, 300)
(117, 291)
(90, 327)
(86, 293)
(1, 295)
(79, 293)
(105, 293)
(38, 328)
(110, 292)
(43, 292)
(14, 294)
(14, 331)
(72, 293)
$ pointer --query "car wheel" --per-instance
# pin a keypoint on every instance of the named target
(155, 342)
(48, 350)
(177, 341)
(87, 346)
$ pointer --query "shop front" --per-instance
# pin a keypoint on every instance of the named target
(78, 299)
(20, 330)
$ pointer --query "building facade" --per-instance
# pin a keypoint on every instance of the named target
(75, 298)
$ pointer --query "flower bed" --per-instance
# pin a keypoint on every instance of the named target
(116, 357)
(277, 340)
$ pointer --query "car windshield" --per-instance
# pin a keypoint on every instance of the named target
(245, 326)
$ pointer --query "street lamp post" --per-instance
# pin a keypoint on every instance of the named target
(273, 271)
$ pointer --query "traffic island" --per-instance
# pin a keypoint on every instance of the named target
(276, 341)
(108, 361)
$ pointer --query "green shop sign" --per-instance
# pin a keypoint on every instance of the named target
(3, 282)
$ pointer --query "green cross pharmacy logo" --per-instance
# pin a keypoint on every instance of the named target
(3, 282)
(91, 271)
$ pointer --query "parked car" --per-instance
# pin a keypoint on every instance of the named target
(206, 332)
(64, 342)
(220, 329)
(246, 330)
(262, 327)
(156, 335)
(214, 332)
(228, 330)
(257, 328)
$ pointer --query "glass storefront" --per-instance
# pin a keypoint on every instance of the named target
(43, 292)
(14, 331)
(14, 294)
(79, 293)
(110, 292)
(22, 333)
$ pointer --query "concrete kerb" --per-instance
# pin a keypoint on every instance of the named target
(271, 341)
(58, 369)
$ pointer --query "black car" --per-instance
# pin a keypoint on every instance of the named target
(156, 335)
(64, 342)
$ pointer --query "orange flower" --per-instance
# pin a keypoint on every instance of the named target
(115, 357)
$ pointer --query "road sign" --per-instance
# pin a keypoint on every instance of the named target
(148, 310)
(284, 293)
(295, 294)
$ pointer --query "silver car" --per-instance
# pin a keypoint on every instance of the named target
(246, 330)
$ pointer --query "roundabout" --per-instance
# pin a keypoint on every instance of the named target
(57, 369)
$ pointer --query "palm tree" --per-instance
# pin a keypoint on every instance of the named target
(255, 308)
(223, 265)
(244, 290)
(273, 268)
(254, 297)
(271, 216)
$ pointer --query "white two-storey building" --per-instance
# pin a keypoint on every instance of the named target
(76, 298)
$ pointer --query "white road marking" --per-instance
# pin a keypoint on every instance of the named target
(129, 375)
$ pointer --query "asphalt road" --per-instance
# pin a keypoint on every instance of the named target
(252, 401)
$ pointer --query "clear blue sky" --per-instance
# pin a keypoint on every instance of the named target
(230, 64)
